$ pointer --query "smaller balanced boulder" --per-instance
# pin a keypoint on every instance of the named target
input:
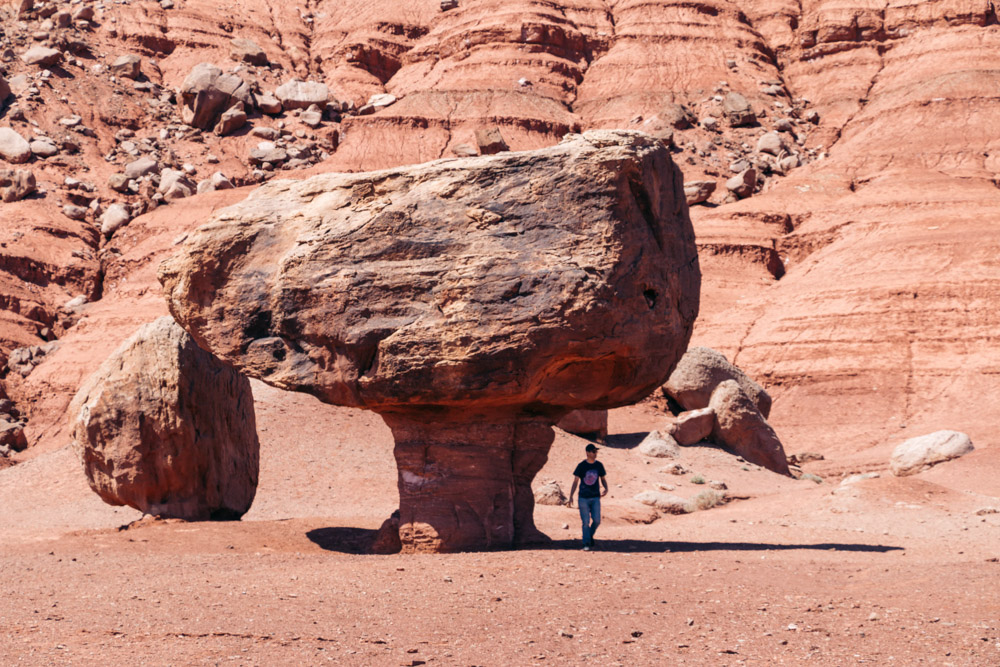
(925, 451)
(166, 428)
(700, 371)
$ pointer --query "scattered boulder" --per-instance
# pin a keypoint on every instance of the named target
(490, 141)
(464, 150)
(175, 184)
(312, 116)
(118, 182)
(13, 147)
(15, 185)
(743, 184)
(166, 428)
(247, 51)
(268, 152)
(787, 163)
(114, 218)
(269, 104)
(587, 423)
(207, 93)
(737, 110)
(42, 56)
(144, 166)
(611, 287)
(220, 182)
(12, 435)
(693, 426)
(783, 125)
(771, 143)
(700, 371)
(231, 120)
(677, 116)
(74, 212)
(387, 538)
(447, 5)
(381, 101)
(43, 148)
(5, 91)
(128, 66)
(665, 502)
(550, 493)
(740, 426)
(812, 116)
(925, 451)
(698, 192)
(659, 446)
(24, 359)
(297, 94)
(710, 123)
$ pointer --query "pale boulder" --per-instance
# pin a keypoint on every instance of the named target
(166, 428)
(297, 94)
(925, 451)
(550, 493)
(15, 185)
(698, 192)
(13, 147)
(700, 371)
(659, 446)
(114, 218)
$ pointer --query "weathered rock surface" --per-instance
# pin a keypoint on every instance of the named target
(16, 184)
(589, 423)
(42, 56)
(700, 371)
(926, 451)
(207, 92)
(297, 94)
(166, 428)
(693, 426)
(741, 426)
(560, 279)
(659, 446)
(738, 110)
(128, 65)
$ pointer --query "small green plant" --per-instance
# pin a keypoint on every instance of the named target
(705, 500)
(697, 479)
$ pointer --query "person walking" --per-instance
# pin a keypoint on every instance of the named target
(587, 474)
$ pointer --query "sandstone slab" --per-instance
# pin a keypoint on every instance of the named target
(296, 94)
(166, 428)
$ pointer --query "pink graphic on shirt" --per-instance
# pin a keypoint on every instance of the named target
(590, 478)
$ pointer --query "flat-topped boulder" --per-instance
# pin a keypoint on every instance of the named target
(471, 302)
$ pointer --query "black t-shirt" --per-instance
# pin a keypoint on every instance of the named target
(590, 476)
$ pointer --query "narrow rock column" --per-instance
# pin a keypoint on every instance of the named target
(465, 480)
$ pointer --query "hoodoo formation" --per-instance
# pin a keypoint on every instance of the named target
(471, 303)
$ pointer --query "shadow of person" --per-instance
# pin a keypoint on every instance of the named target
(343, 540)
(648, 546)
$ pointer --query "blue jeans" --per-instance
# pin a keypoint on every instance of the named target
(590, 515)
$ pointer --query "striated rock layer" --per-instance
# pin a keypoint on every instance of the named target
(470, 302)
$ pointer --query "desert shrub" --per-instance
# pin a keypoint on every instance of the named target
(697, 479)
(705, 500)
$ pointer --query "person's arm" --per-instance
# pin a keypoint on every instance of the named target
(604, 481)
(572, 491)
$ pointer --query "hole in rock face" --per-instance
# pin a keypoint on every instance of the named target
(259, 325)
(650, 295)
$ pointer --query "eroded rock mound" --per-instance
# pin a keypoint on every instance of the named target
(166, 428)
(471, 302)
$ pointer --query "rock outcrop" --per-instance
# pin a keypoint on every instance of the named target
(471, 303)
(926, 451)
(166, 428)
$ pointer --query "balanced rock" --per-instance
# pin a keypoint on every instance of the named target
(740, 426)
(700, 371)
(166, 428)
(297, 94)
(207, 92)
(16, 184)
(13, 147)
(659, 445)
(925, 451)
(737, 110)
(587, 423)
(512, 289)
(693, 426)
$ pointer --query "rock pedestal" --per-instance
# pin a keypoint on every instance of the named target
(470, 302)
(467, 485)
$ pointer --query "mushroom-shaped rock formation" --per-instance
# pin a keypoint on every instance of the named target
(166, 428)
(471, 302)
